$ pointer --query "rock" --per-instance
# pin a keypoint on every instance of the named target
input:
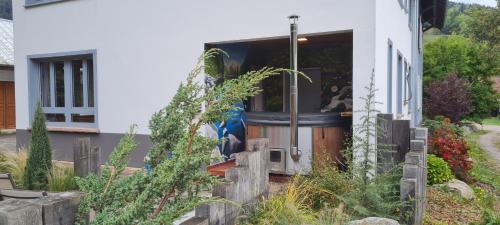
(20, 212)
(471, 127)
(467, 129)
(460, 188)
(374, 221)
(59, 208)
(476, 126)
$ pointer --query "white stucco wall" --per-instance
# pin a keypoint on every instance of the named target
(391, 23)
(146, 48)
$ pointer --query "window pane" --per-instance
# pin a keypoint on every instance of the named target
(82, 118)
(90, 91)
(59, 79)
(53, 117)
(45, 84)
(77, 83)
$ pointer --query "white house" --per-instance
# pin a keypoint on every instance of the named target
(98, 66)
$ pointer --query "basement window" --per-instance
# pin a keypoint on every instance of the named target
(65, 88)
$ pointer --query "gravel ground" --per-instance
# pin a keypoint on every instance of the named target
(489, 141)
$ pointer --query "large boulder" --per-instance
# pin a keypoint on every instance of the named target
(460, 188)
(374, 221)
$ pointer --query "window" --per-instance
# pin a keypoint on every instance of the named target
(64, 86)
(400, 83)
(389, 77)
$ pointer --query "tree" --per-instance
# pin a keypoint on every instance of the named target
(455, 18)
(449, 97)
(39, 162)
(173, 185)
(468, 59)
(483, 25)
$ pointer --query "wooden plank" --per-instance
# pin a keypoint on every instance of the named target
(10, 107)
(253, 132)
(401, 139)
(3, 106)
(385, 151)
(327, 142)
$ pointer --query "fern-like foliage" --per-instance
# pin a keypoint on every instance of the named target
(180, 150)
(373, 194)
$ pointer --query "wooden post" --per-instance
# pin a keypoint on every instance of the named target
(385, 147)
(86, 158)
(401, 139)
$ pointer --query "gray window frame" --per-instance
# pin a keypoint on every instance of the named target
(400, 81)
(33, 3)
(34, 75)
(390, 50)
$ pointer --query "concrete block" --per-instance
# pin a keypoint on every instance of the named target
(20, 212)
(417, 145)
(410, 171)
(414, 158)
(257, 144)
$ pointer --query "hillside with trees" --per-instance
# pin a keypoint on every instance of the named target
(467, 46)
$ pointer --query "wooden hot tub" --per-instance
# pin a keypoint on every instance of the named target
(320, 135)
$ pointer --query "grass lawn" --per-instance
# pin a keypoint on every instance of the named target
(486, 172)
(492, 121)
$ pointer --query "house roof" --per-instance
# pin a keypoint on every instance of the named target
(6, 43)
(433, 13)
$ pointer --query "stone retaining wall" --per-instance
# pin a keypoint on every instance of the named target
(54, 209)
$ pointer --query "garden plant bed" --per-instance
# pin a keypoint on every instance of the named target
(446, 207)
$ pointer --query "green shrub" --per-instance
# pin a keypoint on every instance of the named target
(39, 162)
(440, 122)
(468, 59)
(437, 170)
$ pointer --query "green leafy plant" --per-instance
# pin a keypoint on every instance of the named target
(438, 170)
(445, 143)
(173, 185)
(39, 162)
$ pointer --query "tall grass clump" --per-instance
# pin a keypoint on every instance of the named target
(39, 163)
(296, 206)
(15, 164)
(62, 178)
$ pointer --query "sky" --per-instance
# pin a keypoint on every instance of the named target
(491, 3)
